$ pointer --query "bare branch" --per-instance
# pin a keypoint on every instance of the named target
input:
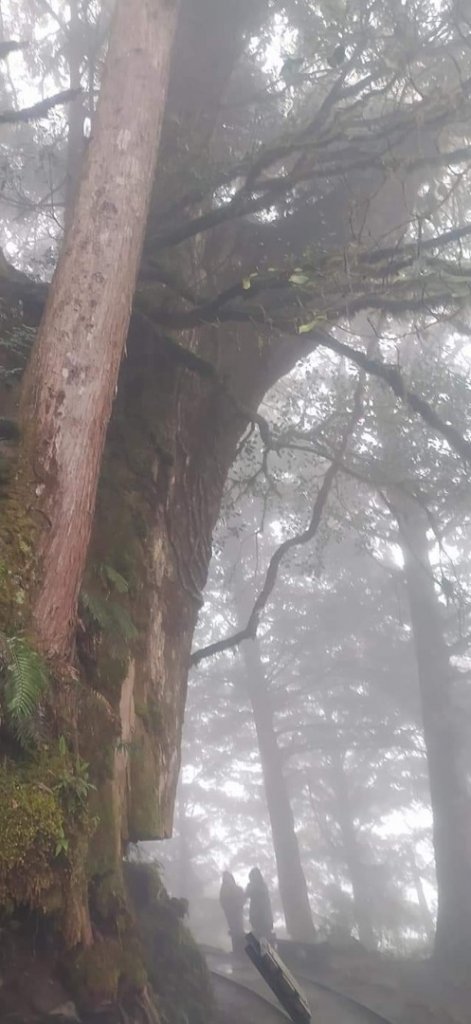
(38, 110)
(393, 377)
(9, 45)
(250, 631)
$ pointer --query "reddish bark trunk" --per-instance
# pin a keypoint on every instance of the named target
(71, 379)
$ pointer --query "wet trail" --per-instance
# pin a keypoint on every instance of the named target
(243, 997)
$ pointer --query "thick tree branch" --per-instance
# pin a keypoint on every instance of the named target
(9, 45)
(38, 110)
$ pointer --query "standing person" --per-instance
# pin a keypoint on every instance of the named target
(260, 912)
(232, 899)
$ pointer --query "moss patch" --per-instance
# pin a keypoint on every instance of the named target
(103, 850)
(144, 818)
(45, 826)
(107, 972)
(31, 831)
(176, 968)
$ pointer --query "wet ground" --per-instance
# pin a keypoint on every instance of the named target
(344, 987)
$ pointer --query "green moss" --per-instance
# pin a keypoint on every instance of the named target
(18, 562)
(134, 972)
(144, 817)
(96, 975)
(45, 828)
(109, 897)
(176, 968)
(111, 672)
(31, 829)
(103, 851)
(150, 714)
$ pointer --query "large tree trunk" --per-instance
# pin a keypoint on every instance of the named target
(450, 799)
(291, 878)
(71, 379)
(352, 853)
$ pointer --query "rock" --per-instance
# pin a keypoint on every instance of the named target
(45, 992)
(66, 1013)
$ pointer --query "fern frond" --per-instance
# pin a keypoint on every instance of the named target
(28, 731)
(26, 678)
(97, 608)
(122, 622)
(110, 616)
(118, 582)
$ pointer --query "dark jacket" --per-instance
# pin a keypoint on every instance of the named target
(260, 912)
(232, 899)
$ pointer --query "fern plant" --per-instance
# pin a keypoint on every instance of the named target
(25, 681)
(104, 608)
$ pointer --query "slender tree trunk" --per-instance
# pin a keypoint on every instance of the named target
(75, 139)
(450, 799)
(71, 379)
(187, 881)
(427, 916)
(291, 879)
(352, 853)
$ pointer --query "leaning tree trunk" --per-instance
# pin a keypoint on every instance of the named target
(450, 799)
(291, 878)
(71, 378)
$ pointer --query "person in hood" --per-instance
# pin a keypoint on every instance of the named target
(232, 899)
(260, 912)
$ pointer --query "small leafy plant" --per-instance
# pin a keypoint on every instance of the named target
(72, 779)
(103, 607)
(24, 681)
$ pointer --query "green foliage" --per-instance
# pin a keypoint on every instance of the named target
(62, 845)
(102, 605)
(109, 616)
(176, 967)
(95, 974)
(25, 682)
(16, 342)
(115, 579)
(72, 779)
(31, 831)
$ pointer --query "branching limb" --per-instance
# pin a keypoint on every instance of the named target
(38, 110)
(9, 45)
(393, 377)
(250, 631)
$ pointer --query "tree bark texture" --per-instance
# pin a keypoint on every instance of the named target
(171, 442)
(72, 375)
(451, 804)
(291, 878)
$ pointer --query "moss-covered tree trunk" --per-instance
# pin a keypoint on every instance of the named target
(71, 378)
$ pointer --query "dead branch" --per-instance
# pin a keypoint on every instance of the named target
(250, 631)
(393, 377)
(38, 110)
